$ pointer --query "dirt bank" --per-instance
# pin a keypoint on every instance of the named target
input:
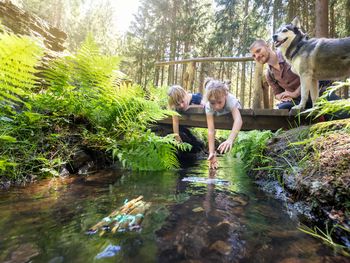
(312, 164)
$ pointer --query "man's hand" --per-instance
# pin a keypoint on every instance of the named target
(288, 94)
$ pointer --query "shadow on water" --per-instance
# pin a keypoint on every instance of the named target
(194, 215)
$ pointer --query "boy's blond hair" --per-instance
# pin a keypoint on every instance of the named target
(215, 89)
(176, 95)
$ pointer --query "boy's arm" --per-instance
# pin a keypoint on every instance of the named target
(236, 127)
(211, 142)
(176, 128)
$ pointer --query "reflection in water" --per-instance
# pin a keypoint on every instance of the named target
(208, 234)
(210, 222)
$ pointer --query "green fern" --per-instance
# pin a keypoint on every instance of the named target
(84, 85)
(323, 106)
(148, 151)
(249, 147)
(19, 58)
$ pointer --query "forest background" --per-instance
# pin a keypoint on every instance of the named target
(75, 105)
(170, 30)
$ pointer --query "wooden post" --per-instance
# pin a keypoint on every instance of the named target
(192, 74)
(258, 91)
(243, 86)
(250, 85)
(266, 94)
(189, 76)
(201, 77)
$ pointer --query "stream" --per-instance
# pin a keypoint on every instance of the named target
(195, 216)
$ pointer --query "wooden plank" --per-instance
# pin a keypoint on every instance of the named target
(260, 119)
(204, 59)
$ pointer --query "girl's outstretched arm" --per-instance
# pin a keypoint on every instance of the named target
(226, 146)
(213, 164)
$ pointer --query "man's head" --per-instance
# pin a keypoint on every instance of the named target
(260, 51)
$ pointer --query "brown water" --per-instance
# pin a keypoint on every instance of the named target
(231, 222)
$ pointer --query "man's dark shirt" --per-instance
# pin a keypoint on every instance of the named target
(285, 78)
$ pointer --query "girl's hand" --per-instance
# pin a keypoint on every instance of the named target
(213, 163)
(226, 146)
(177, 137)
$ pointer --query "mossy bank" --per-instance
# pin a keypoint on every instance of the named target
(309, 167)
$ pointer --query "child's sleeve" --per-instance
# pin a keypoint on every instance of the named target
(232, 102)
(208, 110)
(196, 98)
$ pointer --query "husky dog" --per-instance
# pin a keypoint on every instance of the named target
(312, 59)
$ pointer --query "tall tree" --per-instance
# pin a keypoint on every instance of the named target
(347, 18)
(321, 18)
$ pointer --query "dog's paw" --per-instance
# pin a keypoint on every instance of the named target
(298, 107)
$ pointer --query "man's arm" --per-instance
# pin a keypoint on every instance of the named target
(276, 89)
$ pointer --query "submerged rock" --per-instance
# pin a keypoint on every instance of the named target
(211, 235)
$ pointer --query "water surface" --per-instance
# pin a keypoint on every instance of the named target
(47, 221)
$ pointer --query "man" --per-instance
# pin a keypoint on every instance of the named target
(284, 83)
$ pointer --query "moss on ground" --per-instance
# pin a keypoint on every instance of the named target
(313, 165)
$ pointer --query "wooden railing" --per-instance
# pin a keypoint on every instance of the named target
(247, 82)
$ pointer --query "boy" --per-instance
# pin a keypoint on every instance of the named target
(180, 100)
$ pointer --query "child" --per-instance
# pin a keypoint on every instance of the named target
(180, 100)
(220, 102)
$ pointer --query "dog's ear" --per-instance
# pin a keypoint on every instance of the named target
(227, 83)
(206, 81)
(296, 22)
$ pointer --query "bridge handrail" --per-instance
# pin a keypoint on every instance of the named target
(203, 59)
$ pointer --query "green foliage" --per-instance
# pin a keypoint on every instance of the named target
(37, 129)
(146, 151)
(120, 114)
(19, 57)
(249, 147)
(159, 95)
(201, 134)
(77, 18)
(323, 106)
(326, 237)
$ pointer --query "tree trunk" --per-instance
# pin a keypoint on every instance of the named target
(321, 18)
(332, 20)
(306, 15)
(347, 33)
(172, 42)
(291, 10)
(237, 79)
(276, 7)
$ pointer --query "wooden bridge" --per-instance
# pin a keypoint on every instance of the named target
(252, 90)
(258, 119)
